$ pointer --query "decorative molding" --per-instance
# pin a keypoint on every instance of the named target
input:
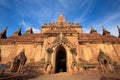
(61, 39)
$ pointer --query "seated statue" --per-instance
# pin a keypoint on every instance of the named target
(48, 68)
(18, 62)
(105, 62)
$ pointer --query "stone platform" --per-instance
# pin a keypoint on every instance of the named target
(64, 76)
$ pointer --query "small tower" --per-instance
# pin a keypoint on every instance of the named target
(29, 31)
(18, 33)
(61, 19)
(105, 32)
(3, 33)
(78, 25)
(93, 31)
(118, 31)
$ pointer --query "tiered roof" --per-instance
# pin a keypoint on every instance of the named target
(56, 28)
(26, 38)
(97, 38)
(93, 36)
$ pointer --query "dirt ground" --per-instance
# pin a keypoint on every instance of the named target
(66, 76)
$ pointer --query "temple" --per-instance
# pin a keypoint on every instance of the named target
(61, 47)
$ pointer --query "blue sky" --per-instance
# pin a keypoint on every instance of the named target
(26, 13)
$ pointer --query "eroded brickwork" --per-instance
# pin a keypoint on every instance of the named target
(81, 49)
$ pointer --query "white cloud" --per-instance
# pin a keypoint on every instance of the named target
(113, 29)
(83, 3)
(111, 17)
(110, 22)
(85, 30)
(4, 3)
(72, 4)
(27, 26)
(35, 30)
(36, 10)
(87, 9)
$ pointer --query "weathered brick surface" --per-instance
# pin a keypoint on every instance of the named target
(67, 35)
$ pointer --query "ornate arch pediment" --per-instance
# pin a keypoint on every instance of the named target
(62, 39)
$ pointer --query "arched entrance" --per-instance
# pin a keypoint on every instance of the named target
(60, 62)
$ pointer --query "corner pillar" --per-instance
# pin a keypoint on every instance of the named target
(49, 52)
(74, 65)
(48, 65)
(73, 52)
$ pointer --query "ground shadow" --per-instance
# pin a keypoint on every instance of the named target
(25, 76)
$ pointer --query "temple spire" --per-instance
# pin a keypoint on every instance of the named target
(105, 32)
(29, 31)
(118, 31)
(61, 14)
(61, 19)
(3, 33)
(93, 30)
(18, 33)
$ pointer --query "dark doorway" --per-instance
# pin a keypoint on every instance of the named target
(61, 59)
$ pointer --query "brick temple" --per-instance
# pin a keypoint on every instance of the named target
(61, 47)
